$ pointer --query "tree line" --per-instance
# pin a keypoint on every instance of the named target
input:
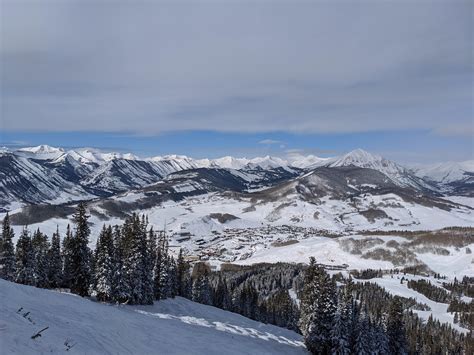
(130, 264)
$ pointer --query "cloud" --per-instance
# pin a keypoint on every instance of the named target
(152, 67)
(456, 131)
(270, 141)
(14, 144)
(298, 152)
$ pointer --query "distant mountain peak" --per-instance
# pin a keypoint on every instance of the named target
(360, 158)
(42, 152)
(43, 148)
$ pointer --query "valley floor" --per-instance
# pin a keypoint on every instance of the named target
(176, 326)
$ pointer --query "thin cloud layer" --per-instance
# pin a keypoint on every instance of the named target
(321, 67)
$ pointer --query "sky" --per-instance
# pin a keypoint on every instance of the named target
(243, 78)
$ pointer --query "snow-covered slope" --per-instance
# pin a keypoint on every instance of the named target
(87, 173)
(454, 178)
(308, 161)
(438, 311)
(398, 174)
(27, 180)
(41, 152)
(80, 326)
(50, 175)
(446, 172)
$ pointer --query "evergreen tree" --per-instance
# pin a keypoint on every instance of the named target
(25, 271)
(157, 265)
(55, 274)
(67, 251)
(363, 339)
(136, 267)
(343, 322)
(396, 328)
(7, 252)
(201, 292)
(166, 277)
(104, 265)
(121, 285)
(380, 340)
(80, 256)
(40, 247)
(164, 273)
(318, 309)
(183, 276)
(222, 298)
(308, 298)
(147, 248)
(173, 278)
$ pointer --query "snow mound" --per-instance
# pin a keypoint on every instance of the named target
(176, 326)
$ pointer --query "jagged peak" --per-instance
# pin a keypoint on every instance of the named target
(41, 149)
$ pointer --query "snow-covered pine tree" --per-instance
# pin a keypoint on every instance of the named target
(222, 297)
(201, 292)
(55, 273)
(121, 285)
(363, 344)
(132, 270)
(173, 279)
(167, 271)
(318, 309)
(137, 266)
(7, 251)
(380, 340)
(396, 328)
(183, 276)
(146, 248)
(152, 245)
(165, 284)
(40, 246)
(163, 279)
(25, 271)
(104, 265)
(157, 265)
(343, 325)
(66, 257)
(81, 254)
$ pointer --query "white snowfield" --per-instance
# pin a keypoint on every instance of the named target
(176, 326)
(329, 251)
(251, 236)
(192, 215)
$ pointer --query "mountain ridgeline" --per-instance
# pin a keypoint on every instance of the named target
(47, 175)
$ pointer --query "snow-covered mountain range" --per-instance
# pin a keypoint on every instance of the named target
(228, 209)
(50, 175)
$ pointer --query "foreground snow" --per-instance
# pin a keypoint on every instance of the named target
(176, 326)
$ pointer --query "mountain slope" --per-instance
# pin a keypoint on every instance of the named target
(455, 178)
(174, 326)
(398, 174)
(446, 172)
(48, 175)
(27, 180)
